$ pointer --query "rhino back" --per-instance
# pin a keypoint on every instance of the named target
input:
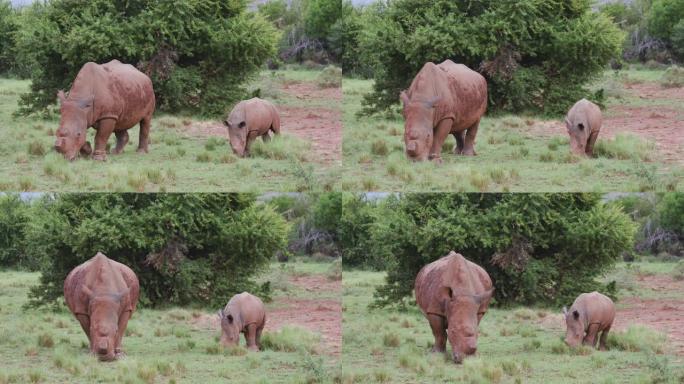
(596, 308)
(249, 308)
(259, 114)
(468, 90)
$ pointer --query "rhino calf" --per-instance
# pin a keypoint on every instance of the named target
(102, 294)
(590, 314)
(453, 294)
(245, 314)
(248, 120)
(583, 123)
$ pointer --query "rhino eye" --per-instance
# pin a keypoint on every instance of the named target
(242, 124)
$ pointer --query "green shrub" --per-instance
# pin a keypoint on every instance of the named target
(290, 339)
(625, 146)
(525, 242)
(673, 77)
(185, 248)
(539, 59)
(330, 77)
(198, 65)
(15, 217)
(637, 338)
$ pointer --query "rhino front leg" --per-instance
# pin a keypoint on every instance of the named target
(121, 141)
(469, 147)
(144, 139)
(250, 337)
(438, 326)
(84, 320)
(440, 135)
(589, 150)
(104, 131)
(251, 136)
(123, 323)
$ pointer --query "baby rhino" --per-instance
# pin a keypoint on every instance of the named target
(590, 314)
(244, 313)
(248, 120)
(583, 123)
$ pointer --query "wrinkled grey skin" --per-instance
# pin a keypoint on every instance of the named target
(590, 314)
(583, 124)
(244, 313)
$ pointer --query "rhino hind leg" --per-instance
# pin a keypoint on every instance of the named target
(438, 326)
(604, 338)
(266, 137)
(589, 150)
(471, 133)
(258, 337)
(460, 142)
(144, 138)
(121, 141)
(250, 337)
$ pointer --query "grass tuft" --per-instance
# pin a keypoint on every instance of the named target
(625, 147)
(291, 339)
(330, 77)
(673, 77)
(280, 147)
(637, 338)
(36, 148)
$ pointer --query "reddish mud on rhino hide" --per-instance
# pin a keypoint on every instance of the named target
(453, 294)
(111, 98)
(102, 294)
(244, 313)
(443, 99)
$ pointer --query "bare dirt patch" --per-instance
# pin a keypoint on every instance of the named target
(321, 316)
(321, 127)
(662, 125)
(664, 315)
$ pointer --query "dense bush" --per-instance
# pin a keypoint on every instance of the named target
(185, 248)
(359, 217)
(671, 211)
(199, 53)
(536, 55)
(14, 217)
(538, 248)
(344, 40)
(663, 16)
(7, 28)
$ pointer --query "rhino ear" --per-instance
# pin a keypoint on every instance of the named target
(565, 311)
(220, 314)
(61, 96)
(567, 124)
(482, 297)
(580, 126)
(575, 314)
(230, 319)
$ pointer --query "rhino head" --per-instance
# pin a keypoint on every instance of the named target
(104, 311)
(579, 134)
(230, 329)
(73, 125)
(575, 327)
(418, 126)
(237, 130)
(463, 318)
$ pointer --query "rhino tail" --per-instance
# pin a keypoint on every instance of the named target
(275, 125)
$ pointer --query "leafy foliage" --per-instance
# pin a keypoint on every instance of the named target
(198, 53)
(664, 15)
(538, 248)
(14, 218)
(185, 248)
(536, 55)
(7, 28)
(671, 210)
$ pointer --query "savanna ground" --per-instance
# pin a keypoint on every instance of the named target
(188, 154)
(301, 340)
(521, 345)
(639, 147)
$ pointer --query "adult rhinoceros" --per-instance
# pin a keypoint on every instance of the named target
(111, 97)
(443, 99)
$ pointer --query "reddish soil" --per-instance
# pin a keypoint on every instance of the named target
(321, 127)
(321, 316)
(662, 125)
(664, 315)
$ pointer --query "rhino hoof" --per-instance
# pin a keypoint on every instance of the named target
(100, 156)
(142, 150)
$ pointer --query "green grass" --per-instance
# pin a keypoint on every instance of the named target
(162, 345)
(177, 161)
(522, 345)
(510, 157)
